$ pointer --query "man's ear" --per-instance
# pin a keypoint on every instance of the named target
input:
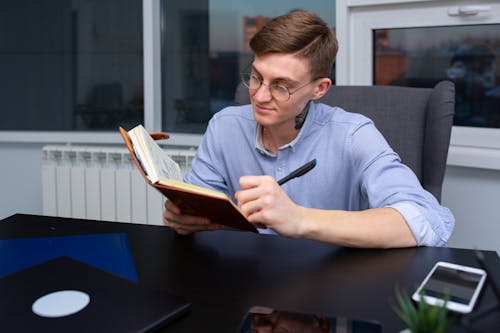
(321, 88)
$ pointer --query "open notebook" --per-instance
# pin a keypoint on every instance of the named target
(161, 172)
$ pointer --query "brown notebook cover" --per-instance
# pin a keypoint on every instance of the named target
(215, 207)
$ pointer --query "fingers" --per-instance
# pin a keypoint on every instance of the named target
(247, 182)
(185, 224)
(254, 187)
(257, 195)
(170, 206)
(264, 203)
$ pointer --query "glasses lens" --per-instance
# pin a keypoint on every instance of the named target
(251, 81)
(279, 92)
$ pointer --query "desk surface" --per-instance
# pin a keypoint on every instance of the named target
(224, 273)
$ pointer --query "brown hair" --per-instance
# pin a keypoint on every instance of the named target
(301, 33)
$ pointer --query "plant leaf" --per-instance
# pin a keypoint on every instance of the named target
(423, 318)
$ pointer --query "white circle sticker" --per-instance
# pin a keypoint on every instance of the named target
(60, 303)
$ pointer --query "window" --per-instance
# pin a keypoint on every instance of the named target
(467, 55)
(204, 49)
(475, 145)
(71, 64)
(79, 65)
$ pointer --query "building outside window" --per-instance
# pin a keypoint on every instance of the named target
(78, 65)
(468, 55)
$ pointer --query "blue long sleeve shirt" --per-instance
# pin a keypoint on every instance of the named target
(356, 168)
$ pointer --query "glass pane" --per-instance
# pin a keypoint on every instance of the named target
(204, 49)
(71, 64)
(467, 55)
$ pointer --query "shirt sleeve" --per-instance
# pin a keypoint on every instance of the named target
(386, 182)
(420, 228)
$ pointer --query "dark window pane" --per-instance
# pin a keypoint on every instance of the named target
(71, 64)
(204, 49)
(467, 55)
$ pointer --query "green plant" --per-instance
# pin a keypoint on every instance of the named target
(423, 318)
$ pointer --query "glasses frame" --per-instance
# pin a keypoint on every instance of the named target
(245, 78)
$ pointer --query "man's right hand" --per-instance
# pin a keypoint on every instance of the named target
(185, 224)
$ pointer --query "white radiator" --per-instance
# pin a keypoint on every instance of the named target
(101, 183)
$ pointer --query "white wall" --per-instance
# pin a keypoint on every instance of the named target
(473, 196)
(20, 179)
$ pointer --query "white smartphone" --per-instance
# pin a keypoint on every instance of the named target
(461, 283)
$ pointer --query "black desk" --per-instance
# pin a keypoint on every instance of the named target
(223, 273)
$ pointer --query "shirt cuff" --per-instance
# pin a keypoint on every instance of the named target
(418, 224)
(267, 231)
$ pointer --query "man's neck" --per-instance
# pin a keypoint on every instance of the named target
(274, 138)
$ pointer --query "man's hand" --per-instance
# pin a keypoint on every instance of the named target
(264, 203)
(185, 224)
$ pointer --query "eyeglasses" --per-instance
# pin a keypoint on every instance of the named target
(278, 91)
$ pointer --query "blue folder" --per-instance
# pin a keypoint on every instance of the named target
(109, 252)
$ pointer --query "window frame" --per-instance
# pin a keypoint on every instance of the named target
(469, 146)
(152, 97)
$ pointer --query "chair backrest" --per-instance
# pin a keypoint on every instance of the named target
(416, 122)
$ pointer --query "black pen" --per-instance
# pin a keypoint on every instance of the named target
(298, 172)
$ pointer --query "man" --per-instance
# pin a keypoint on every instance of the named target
(359, 194)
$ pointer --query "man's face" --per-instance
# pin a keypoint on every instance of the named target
(285, 70)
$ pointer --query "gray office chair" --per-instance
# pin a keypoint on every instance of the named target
(415, 121)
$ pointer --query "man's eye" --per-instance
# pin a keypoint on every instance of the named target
(280, 88)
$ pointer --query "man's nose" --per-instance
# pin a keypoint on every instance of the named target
(263, 94)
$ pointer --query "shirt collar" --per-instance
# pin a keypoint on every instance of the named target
(259, 145)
